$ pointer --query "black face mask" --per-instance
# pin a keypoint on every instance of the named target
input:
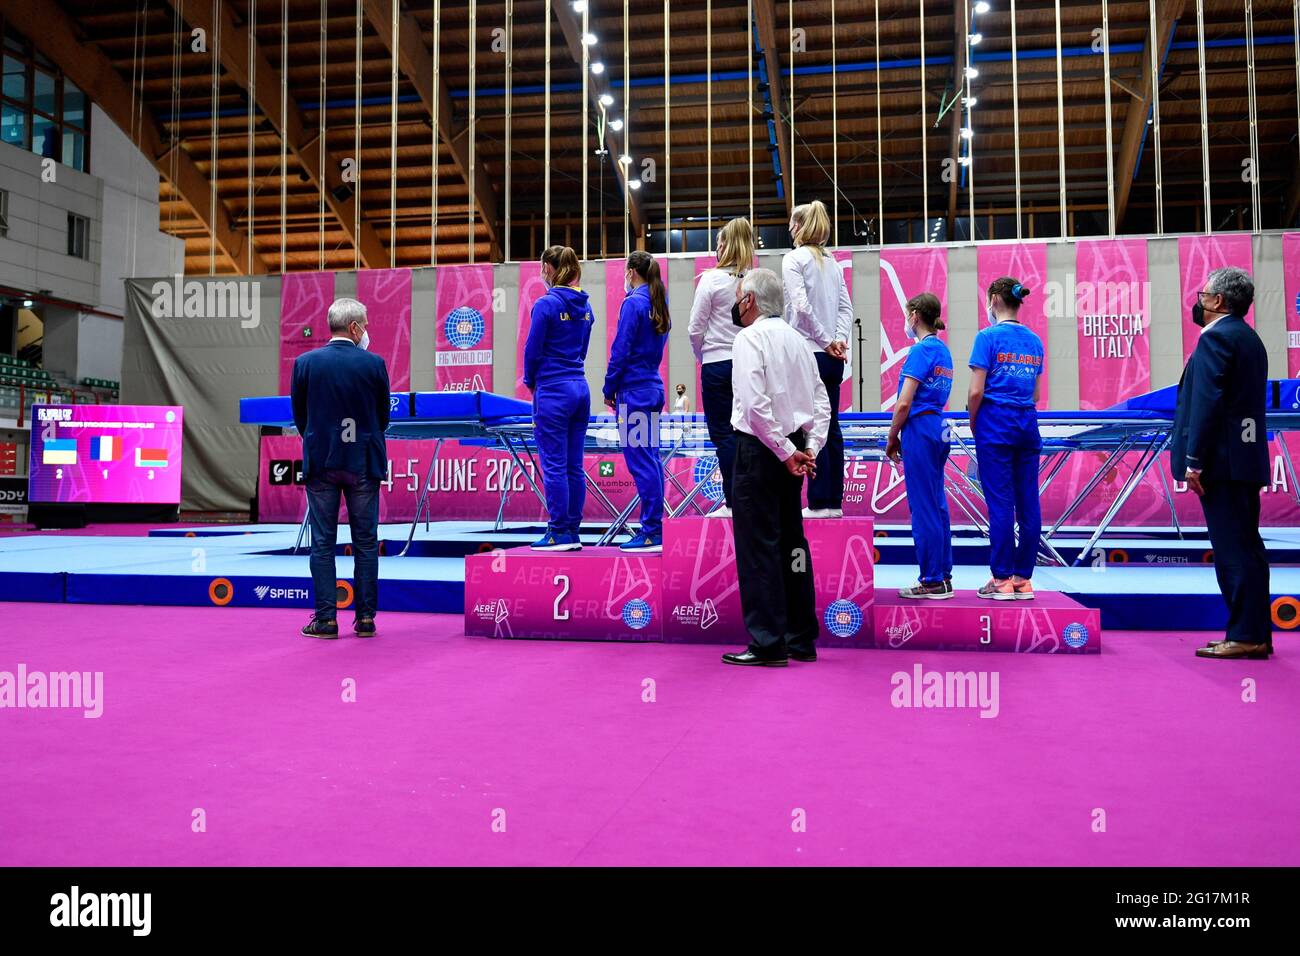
(735, 315)
(1198, 314)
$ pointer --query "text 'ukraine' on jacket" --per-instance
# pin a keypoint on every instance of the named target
(556, 349)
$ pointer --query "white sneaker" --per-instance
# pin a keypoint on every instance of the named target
(823, 512)
(722, 511)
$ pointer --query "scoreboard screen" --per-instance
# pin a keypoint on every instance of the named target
(106, 454)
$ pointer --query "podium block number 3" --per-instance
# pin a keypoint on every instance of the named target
(563, 581)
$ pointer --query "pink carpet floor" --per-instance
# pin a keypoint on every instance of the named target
(230, 712)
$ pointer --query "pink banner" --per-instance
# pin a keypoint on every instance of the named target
(386, 294)
(1112, 309)
(1198, 256)
(531, 288)
(1291, 282)
(305, 299)
(1026, 262)
(845, 259)
(468, 481)
(904, 273)
(464, 328)
(615, 270)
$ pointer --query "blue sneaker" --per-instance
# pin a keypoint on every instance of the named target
(557, 541)
(644, 543)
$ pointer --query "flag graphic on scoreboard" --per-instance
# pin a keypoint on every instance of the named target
(106, 448)
(59, 451)
(151, 457)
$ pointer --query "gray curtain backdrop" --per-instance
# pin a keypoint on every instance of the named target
(206, 364)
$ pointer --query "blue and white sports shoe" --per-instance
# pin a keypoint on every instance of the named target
(556, 541)
(644, 543)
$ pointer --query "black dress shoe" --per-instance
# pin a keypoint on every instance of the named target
(364, 627)
(325, 630)
(804, 657)
(750, 659)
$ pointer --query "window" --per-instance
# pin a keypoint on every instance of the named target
(4, 213)
(78, 236)
(40, 108)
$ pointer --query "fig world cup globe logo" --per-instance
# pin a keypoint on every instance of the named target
(706, 470)
(465, 327)
(1075, 635)
(636, 614)
(843, 618)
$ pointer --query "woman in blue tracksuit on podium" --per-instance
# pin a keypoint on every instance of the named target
(1006, 363)
(554, 358)
(919, 436)
(635, 390)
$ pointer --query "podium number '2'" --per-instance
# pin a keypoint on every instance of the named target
(563, 581)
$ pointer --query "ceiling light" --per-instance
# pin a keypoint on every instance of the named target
(606, 99)
(579, 6)
(971, 72)
(981, 7)
(963, 160)
(976, 39)
(598, 68)
(625, 159)
(967, 132)
(589, 39)
(634, 184)
(616, 125)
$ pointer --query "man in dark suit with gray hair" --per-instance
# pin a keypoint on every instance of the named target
(341, 407)
(1220, 447)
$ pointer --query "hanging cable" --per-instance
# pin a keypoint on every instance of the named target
(437, 97)
(252, 125)
(473, 173)
(215, 40)
(392, 138)
(356, 143)
(321, 115)
(284, 145)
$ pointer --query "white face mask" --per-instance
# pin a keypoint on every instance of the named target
(627, 286)
(364, 344)
(910, 328)
(993, 316)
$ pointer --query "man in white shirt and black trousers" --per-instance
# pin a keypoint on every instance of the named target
(781, 412)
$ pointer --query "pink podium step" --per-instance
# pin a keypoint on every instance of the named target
(701, 594)
(1050, 624)
(596, 594)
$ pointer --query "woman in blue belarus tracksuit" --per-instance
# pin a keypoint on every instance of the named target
(635, 390)
(921, 433)
(1006, 363)
(554, 356)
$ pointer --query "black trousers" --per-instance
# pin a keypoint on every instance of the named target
(1240, 559)
(826, 489)
(773, 561)
(715, 402)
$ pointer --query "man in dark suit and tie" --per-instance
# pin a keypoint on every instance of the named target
(340, 406)
(1220, 447)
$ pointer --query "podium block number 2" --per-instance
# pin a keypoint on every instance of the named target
(563, 581)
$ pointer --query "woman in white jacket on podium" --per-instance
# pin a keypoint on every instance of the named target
(817, 305)
(712, 333)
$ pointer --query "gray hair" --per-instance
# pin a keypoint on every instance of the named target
(1236, 287)
(766, 287)
(344, 312)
